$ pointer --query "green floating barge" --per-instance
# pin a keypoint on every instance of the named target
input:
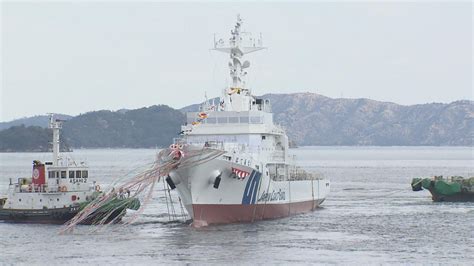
(453, 189)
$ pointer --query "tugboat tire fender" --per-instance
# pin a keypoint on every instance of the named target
(97, 188)
(63, 189)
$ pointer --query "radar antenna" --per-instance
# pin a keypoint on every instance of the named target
(240, 44)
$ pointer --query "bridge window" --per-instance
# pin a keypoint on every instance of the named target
(63, 174)
(233, 120)
(255, 120)
(71, 174)
(84, 174)
(244, 119)
(53, 174)
(78, 174)
(211, 120)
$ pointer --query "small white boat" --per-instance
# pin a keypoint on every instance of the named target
(55, 192)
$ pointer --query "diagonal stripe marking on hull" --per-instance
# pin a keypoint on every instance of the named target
(246, 195)
(255, 190)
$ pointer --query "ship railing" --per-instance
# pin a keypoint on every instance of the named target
(236, 147)
(316, 176)
(179, 141)
(53, 189)
(300, 174)
(219, 145)
(278, 156)
(31, 188)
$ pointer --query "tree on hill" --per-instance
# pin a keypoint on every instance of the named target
(32, 139)
(140, 128)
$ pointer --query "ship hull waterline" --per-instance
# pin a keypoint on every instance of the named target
(49, 216)
(207, 214)
(458, 197)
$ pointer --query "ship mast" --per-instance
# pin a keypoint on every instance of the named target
(238, 97)
(55, 125)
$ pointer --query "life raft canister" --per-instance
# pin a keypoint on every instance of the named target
(202, 115)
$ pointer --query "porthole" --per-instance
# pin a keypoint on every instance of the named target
(58, 199)
(19, 199)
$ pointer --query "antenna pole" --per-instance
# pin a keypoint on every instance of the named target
(55, 125)
(237, 96)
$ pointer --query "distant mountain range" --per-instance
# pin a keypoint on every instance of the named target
(38, 120)
(310, 119)
(313, 119)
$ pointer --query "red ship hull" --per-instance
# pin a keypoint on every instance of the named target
(206, 214)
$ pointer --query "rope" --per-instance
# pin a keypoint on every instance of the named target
(421, 180)
(256, 200)
(173, 211)
(266, 198)
(385, 195)
(289, 196)
(312, 191)
(109, 207)
(166, 198)
(183, 213)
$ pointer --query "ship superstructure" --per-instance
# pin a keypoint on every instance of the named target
(256, 178)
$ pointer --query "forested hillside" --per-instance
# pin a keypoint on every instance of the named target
(310, 119)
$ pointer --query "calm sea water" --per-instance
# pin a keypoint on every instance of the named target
(371, 216)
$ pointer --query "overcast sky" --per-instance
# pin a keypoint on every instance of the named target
(77, 57)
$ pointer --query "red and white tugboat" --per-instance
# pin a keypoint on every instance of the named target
(55, 192)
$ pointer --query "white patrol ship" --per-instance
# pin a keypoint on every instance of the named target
(55, 192)
(256, 178)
